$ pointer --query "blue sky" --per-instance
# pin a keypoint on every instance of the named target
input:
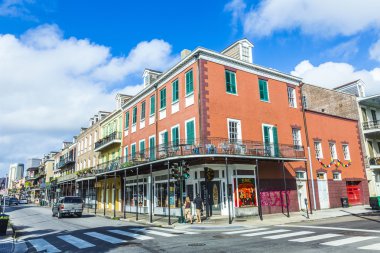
(70, 57)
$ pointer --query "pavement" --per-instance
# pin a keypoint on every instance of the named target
(7, 242)
(37, 231)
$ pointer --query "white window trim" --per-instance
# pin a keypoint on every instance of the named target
(270, 132)
(334, 148)
(267, 82)
(141, 141)
(294, 96)
(299, 137)
(195, 132)
(321, 150)
(304, 174)
(348, 152)
(339, 177)
(160, 140)
(230, 93)
(155, 140)
(324, 175)
(240, 136)
(179, 132)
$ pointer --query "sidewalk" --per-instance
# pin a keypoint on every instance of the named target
(221, 222)
(7, 242)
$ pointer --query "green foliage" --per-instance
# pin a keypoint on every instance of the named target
(4, 217)
(126, 164)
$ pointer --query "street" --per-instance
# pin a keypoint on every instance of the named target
(38, 231)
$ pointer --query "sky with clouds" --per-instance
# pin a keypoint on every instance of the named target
(62, 61)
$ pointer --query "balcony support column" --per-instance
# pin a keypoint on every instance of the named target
(151, 195)
(285, 189)
(125, 176)
(96, 193)
(228, 193)
(104, 195)
(258, 190)
(168, 189)
(87, 194)
(137, 200)
(114, 195)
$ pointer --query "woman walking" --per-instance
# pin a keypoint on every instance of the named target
(187, 207)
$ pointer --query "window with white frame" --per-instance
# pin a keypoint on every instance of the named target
(234, 130)
(346, 152)
(318, 149)
(332, 147)
(296, 133)
(321, 175)
(245, 53)
(337, 176)
(292, 97)
(301, 175)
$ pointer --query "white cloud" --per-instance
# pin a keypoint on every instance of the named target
(344, 50)
(374, 51)
(236, 7)
(50, 86)
(316, 17)
(333, 74)
(16, 8)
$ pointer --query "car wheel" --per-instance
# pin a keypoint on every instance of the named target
(59, 215)
(79, 215)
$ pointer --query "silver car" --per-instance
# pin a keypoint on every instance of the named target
(70, 205)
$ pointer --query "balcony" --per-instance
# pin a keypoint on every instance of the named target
(374, 162)
(65, 162)
(372, 129)
(212, 147)
(109, 140)
(67, 177)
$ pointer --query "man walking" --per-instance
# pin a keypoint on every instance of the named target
(199, 206)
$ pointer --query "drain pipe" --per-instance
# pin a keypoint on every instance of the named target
(308, 152)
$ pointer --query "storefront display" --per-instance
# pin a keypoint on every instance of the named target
(245, 192)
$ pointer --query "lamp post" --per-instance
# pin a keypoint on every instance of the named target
(180, 175)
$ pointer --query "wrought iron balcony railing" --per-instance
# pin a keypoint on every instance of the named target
(65, 162)
(196, 147)
(115, 136)
(369, 125)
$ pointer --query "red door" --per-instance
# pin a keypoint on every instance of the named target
(353, 193)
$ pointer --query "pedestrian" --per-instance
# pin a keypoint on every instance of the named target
(199, 206)
(187, 207)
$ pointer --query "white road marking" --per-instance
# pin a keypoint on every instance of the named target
(348, 240)
(244, 231)
(289, 235)
(331, 228)
(75, 241)
(105, 238)
(372, 247)
(133, 235)
(43, 245)
(153, 232)
(176, 231)
(267, 232)
(315, 238)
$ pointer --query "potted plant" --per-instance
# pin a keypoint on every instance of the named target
(3, 223)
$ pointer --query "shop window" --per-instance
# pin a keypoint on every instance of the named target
(245, 192)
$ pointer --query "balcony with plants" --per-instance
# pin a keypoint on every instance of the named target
(108, 141)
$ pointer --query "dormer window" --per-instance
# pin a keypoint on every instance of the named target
(241, 50)
(245, 53)
(146, 80)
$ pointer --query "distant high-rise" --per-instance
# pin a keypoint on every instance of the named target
(16, 172)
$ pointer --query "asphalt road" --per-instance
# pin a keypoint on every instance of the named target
(40, 232)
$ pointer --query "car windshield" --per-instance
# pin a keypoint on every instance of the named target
(13, 199)
(73, 200)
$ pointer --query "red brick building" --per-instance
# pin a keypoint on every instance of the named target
(240, 125)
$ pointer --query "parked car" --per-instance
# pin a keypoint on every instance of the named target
(11, 201)
(23, 201)
(70, 205)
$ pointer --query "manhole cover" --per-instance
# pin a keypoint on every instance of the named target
(197, 244)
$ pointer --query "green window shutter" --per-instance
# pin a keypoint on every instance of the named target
(189, 82)
(166, 139)
(142, 147)
(275, 142)
(175, 136)
(190, 132)
(175, 91)
(126, 154)
(263, 87)
(127, 120)
(163, 98)
(143, 110)
(152, 105)
(266, 135)
(230, 82)
(133, 150)
(134, 115)
(152, 148)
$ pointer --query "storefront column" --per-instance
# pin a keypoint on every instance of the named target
(88, 192)
(137, 200)
(258, 190)
(96, 194)
(168, 194)
(308, 190)
(125, 176)
(81, 193)
(114, 195)
(228, 193)
(104, 195)
(151, 195)
(285, 188)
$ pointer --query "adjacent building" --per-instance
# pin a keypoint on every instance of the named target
(16, 172)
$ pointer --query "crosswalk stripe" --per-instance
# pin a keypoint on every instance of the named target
(371, 247)
(153, 232)
(244, 231)
(133, 235)
(289, 235)
(75, 241)
(267, 232)
(176, 231)
(314, 238)
(348, 240)
(43, 245)
(104, 237)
